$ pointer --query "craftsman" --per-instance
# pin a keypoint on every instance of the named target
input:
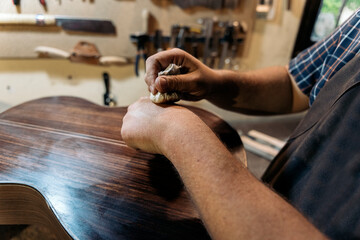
(312, 189)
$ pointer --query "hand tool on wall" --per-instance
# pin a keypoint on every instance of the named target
(213, 4)
(195, 32)
(210, 33)
(109, 99)
(83, 52)
(141, 51)
(142, 38)
(85, 25)
(16, 2)
(183, 3)
(184, 31)
(208, 26)
(239, 29)
(228, 39)
(173, 37)
(158, 43)
(43, 2)
(214, 47)
(231, 3)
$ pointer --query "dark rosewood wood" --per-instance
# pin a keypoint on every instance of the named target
(63, 163)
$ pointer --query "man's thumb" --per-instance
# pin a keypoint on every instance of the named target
(174, 83)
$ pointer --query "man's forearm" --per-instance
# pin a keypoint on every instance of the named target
(262, 91)
(232, 203)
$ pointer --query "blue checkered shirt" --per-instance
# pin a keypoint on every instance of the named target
(314, 66)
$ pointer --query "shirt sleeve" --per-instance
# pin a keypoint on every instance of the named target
(306, 66)
(314, 66)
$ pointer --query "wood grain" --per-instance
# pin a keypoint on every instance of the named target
(63, 163)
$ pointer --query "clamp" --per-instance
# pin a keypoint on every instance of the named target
(141, 51)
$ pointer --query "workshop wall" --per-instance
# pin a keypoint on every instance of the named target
(20, 41)
(23, 77)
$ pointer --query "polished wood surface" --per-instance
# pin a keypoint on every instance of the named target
(63, 163)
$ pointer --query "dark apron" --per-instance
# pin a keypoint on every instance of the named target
(318, 171)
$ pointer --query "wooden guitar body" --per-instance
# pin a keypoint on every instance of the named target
(63, 163)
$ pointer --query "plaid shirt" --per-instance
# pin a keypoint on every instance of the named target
(314, 66)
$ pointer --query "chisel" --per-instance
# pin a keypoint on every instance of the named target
(214, 48)
(194, 40)
(174, 34)
(208, 23)
(158, 41)
(67, 23)
(183, 32)
(109, 99)
(228, 38)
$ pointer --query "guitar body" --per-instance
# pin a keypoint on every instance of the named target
(63, 163)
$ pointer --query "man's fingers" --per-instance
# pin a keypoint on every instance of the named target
(152, 69)
(175, 83)
(160, 61)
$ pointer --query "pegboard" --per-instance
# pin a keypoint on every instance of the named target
(20, 41)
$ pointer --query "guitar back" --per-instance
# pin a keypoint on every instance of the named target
(63, 163)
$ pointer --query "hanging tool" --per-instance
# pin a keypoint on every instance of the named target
(158, 41)
(228, 39)
(208, 24)
(43, 2)
(214, 50)
(67, 23)
(184, 31)
(16, 2)
(109, 99)
(83, 52)
(288, 5)
(141, 51)
(174, 34)
(213, 4)
(239, 29)
(142, 38)
(194, 32)
(232, 4)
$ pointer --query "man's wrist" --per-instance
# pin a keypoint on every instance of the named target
(181, 132)
(224, 88)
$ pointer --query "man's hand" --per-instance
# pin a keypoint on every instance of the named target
(263, 91)
(147, 125)
(195, 82)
